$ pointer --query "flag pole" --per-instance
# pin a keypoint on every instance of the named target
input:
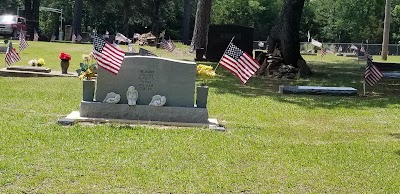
(7, 50)
(223, 54)
(364, 87)
(322, 47)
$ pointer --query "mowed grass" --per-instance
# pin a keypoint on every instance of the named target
(273, 143)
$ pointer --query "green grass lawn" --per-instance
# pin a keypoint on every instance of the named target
(273, 144)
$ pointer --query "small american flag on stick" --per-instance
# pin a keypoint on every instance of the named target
(168, 45)
(22, 42)
(11, 56)
(108, 56)
(239, 63)
(323, 52)
(372, 73)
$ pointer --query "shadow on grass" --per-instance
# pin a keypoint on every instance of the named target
(384, 93)
(397, 152)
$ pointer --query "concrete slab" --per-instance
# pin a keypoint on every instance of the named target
(74, 117)
(29, 68)
(15, 73)
(349, 54)
(318, 90)
(391, 74)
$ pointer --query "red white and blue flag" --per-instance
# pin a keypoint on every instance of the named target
(168, 45)
(323, 52)
(239, 63)
(22, 42)
(372, 73)
(11, 56)
(108, 56)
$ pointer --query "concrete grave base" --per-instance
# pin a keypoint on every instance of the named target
(349, 54)
(143, 112)
(338, 91)
(29, 68)
(17, 73)
(75, 117)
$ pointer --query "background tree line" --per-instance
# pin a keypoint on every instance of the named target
(327, 20)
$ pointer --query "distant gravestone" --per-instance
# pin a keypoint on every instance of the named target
(68, 32)
(150, 76)
(219, 37)
(4, 46)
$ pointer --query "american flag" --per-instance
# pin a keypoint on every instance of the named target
(323, 52)
(169, 45)
(12, 56)
(73, 38)
(239, 63)
(79, 38)
(108, 57)
(372, 73)
(22, 42)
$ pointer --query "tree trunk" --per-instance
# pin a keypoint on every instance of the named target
(156, 17)
(285, 35)
(186, 21)
(77, 29)
(386, 30)
(28, 9)
(201, 24)
(126, 17)
(35, 13)
(32, 16)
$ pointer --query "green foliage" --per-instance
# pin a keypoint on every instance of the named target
(86, 71)
(259, 14)
(347, 21)
(327, 20)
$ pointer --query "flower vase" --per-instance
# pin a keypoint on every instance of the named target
(88, 90)
(201, 96)
(64, 66)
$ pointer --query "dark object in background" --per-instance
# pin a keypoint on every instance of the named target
(199, 54)
(219, 37)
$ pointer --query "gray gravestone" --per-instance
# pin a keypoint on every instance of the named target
(150, 76)
(68, 32)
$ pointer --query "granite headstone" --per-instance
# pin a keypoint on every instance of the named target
(150, 76)
(68, 32)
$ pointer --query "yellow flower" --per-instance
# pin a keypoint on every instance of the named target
(205, 72)
(40, 62)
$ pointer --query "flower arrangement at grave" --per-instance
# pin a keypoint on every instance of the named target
(205, 73)
(40, 62)
(88, 68)
(33, 62)
(64, 56)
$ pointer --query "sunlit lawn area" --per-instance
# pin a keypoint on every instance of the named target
(273, 143)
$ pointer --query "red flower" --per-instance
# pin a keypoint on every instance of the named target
(65, 56)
